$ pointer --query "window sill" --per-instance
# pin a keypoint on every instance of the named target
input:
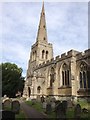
(81, 90)
(64, 87)
(49, 88)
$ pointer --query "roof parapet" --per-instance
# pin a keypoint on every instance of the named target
(63, 55)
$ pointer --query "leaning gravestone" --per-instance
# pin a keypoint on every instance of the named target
(15, 106)
(8, 115)
(59, 110)
(7, 104)
(77, 111)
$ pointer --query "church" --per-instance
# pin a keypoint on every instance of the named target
(63, 77)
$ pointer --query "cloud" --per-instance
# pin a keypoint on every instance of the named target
(67, 27)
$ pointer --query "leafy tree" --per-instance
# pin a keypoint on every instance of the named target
(12, 80)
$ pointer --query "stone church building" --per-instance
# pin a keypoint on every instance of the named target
(62, 77)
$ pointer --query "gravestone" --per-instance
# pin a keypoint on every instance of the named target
(53, 99)
(44, 105)
(70, 104)
(42, 99)
(38, 98)
(59, 110)
(57, 102)
(15, 107)
(64, 106)
(8, 115)
(48, 108)
(33, 101)
(77, 111)
(7, 104)
(53, 105)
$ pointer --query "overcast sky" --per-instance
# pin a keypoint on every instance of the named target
(67, 28)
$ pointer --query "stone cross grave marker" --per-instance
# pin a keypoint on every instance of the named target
(77, 111)
(15, 106)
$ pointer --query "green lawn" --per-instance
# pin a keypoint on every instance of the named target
(20, 115)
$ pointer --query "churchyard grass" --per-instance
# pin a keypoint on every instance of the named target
(20, 115)
(37, 105)
(70, 111)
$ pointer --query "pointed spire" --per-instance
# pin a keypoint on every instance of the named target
(42, 33)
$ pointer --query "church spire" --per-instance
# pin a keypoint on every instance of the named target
(42, 33)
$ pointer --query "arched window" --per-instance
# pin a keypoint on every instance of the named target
(83, 75)
(38, 89)
(46, 54)
(35, 54)
(65, 75)
(52, 76)
(43, 53)
(44, 38)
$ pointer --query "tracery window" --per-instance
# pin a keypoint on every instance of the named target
(65, 75)
(84, 76)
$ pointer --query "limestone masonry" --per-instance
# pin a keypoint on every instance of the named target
(63, 77)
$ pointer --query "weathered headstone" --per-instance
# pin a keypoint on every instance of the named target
(64, 106)
(70, 104)
(57, 102)
(53, 105)
(8, 115)
(15, 106)
(59, 110)
(48, 108)
(53, 99)
(42, 99)
(33, 101)
(44, 105)
(77, 111)
(7, 104)
(38, 98)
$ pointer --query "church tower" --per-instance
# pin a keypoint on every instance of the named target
(41, 51)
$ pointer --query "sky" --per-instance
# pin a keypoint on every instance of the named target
(67, 28)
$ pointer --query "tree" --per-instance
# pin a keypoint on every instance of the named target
(12, 80)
